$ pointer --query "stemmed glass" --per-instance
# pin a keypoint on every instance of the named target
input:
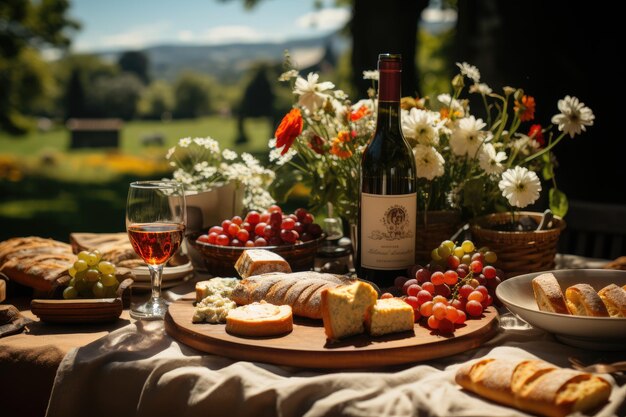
(155, 221)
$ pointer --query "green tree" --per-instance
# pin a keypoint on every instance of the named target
(116, 96)
(26, 26)
(157, 101)
(192, 95)
(135, 62)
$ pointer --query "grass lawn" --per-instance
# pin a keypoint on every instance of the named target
(50, 191)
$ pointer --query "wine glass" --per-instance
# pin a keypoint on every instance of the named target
(155, 221)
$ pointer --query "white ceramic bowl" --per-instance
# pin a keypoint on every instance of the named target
(602, 333)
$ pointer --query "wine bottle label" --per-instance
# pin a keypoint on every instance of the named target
(388, 230)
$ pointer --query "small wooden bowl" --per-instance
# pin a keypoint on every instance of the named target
(220, 260)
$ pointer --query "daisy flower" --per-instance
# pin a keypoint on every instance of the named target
(520, 186)
(287, 75)
(421, 126)
(480, 88)
(574, 116)
(467, 136)
(370, 75)
(490, 160)
(312, 94)
(469, 71)
(428, 162)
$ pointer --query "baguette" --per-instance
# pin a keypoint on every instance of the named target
(548, 294)
(614, 298)
(583, 300)
(534, 386)
(300, 290)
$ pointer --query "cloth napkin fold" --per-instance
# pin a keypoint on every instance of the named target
(11, 320)
(140, 370)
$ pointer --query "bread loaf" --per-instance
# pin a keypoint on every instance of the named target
(534, 386)
(344, 309)
(300, 290)
(389, 315)
(583, 300)
(548, 294)
(260, 319)
(614, 298)
(35, 262)
(260, 261)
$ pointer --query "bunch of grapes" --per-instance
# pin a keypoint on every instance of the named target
(269, 228)
(460, 281)
(91, 277)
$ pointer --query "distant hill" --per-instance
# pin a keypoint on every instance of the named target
(228, 62)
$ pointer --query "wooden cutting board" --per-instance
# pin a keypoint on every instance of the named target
(307, 346)
(95, 310)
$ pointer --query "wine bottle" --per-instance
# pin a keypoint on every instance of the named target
(388, 197)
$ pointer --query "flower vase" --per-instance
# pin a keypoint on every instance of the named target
(518, 252)
(432, 228)
(210, 208)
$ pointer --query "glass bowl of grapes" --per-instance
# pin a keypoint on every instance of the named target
(294, 236)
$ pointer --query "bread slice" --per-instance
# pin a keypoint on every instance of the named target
(389, 315)
(548, 294)
(535, 386)
(614, 298)
(260, 261)
(583, 300)
(260, 319)
(344, 308)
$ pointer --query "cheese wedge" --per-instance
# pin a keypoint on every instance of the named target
(389, 315)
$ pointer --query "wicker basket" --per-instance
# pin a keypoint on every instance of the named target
(518, 252)
(220, 260)
(433, 227)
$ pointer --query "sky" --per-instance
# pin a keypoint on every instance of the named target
(134, 24)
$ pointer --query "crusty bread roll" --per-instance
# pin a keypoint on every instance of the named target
(548, 294)
(534, 386)
(583, 300)
(260, 261)
(614, 298)
(300, 290)
(260, 319)
(344, 309)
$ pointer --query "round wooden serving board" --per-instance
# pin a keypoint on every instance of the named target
(307, 346)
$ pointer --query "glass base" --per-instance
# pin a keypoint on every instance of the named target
(153, 309)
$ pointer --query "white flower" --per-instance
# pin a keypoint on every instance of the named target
(467, 136)
(428, 162)
(490, 160)
(574, 116)
(340, 95)
(170, 152)
(469, 71)
(520, 186)
(287, 75)
(453, 104)
(275, 154)
(524, 144)
(311, 92)
(370, 75)
(184, 142)
(480, 88)
(229, 155)
(421, 125)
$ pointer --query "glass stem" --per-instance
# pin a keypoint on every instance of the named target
(156, 272)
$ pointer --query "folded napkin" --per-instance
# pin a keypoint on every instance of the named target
(140, 370)
(11, 320)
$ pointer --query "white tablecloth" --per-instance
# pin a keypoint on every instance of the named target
(140, 370)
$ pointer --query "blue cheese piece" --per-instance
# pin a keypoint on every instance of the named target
(220, 286)
(213, 309)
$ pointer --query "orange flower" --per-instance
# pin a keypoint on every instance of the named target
(288, 130)
(356, 115)
(525, 108)
(444, 112)
(339, 147)
(536, 133)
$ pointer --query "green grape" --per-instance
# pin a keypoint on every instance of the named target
(72, 272)
(459, 252)
(80, 265)
(491, 257)
(108, 279)
(468, 246)
(443, 251)
(483, 249)
(72, 282)
(106, 267)
(97, 253)
(69, 293)
(98, 290)
(92, 274)
(92, 259)
(449, 244)
(435, 255)
(466, 259)
(83, 255)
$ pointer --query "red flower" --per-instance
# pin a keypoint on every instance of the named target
(536, 133)
(356, 115)
(525, 108)
(288, 130)
(317, 144)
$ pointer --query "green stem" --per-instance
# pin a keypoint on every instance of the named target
(544, 150)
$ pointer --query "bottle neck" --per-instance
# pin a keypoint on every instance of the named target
(389, 98)
(388, 116)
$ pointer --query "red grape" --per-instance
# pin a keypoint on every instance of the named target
(446, 326)
(465, 290)
(233, 229)
(289, 224)
(433, 323)
(412, 301)
(439, 310)
(216, 229)
(289, 236)
(399, 281)
(307, 219)
(225, 225)
(222, 240)
(476, 266)
(487, 301)
(416, 315)
(253, 217)
(243, 235)
(259, 241)
(247, 226)
(259, 229)
(237, 220)
(437, 278)
(276, 218)
(386, 295)
(450, 277)
(213, 237)
(442, 290)
(407, 284)
(413, 290)
(426, 309)
(300, 213)
(478, 256)
(298, 227)
(453, 261)
(489, 272)
(476, 296)
(482, 289)
(275, 209)
(315, 230)
(203, 238)
(249, 244)
(422, 275)
(269, 232)
(461, 317)
(452, 313)
(265, 216)
(428, 286)
(474, 308)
